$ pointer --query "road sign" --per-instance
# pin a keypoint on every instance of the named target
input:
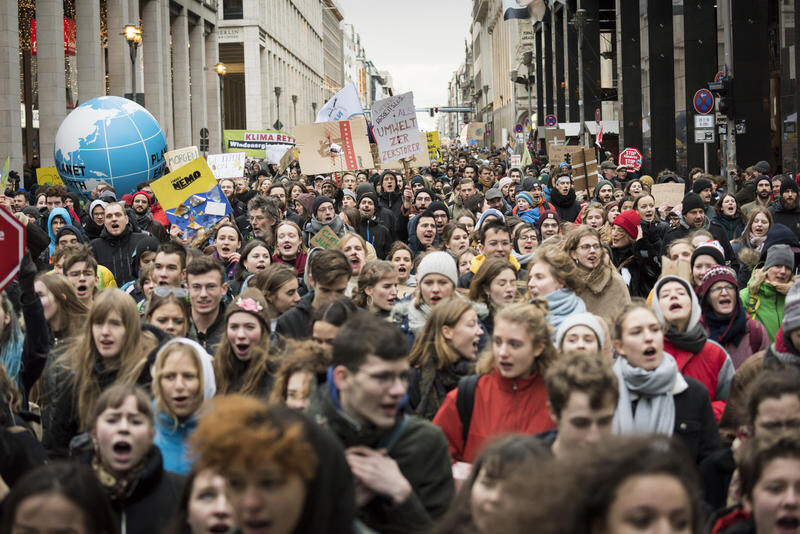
(551, 121)
(528, 124)
(703, 101)
(518, 128)
(704, 136)
(703, 121)
(597, 115)
(12, 243)
(631, 158)
(720, 77)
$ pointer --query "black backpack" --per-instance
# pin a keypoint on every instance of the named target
(465, 401)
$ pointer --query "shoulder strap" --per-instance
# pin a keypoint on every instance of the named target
(390, 439)
(465, 401)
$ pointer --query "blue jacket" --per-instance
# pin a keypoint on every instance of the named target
(172, 441)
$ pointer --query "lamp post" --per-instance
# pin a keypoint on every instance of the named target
(133, 34)
(294, 105)
(278, 124)
(222, 70)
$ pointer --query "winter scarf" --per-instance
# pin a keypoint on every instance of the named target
(694, 338)
(562, 201)
(337, 225)
(434, 384)
(655, 409)
(756, 243)
(561, 304)
(117, 486)
(729, 329)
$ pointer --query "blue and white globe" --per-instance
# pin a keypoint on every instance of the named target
(110, 140)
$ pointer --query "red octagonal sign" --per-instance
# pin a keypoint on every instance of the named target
(12, 243)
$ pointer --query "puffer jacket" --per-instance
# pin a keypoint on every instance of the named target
(115, 252)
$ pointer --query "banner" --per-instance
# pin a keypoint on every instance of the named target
(254, 142)
(343, 106)
(4, 176)
(394, 126)
(48, 176)
(669, 194)
(417, 160)
(326, 147)
(191, 197)
(178, 158)
(434, 146)
(229, 165)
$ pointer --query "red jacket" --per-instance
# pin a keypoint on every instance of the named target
(712, 367)
(502, 405)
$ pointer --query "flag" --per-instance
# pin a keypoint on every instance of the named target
(4, 177)
(526, 157)
(599, 139)
(524, 9)
(343, 106)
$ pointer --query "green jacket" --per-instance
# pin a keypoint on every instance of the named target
(766, 307)
(421, 452)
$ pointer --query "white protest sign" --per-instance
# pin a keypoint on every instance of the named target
(343, 106)
(394, 125)
(228, 165)
(274, 153)
(180, 157)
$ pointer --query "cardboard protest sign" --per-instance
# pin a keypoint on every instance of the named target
(434, 146)
(669, 194)
(326, 147)
(584, 169)
(343, 106)
(180, 157)
(473, 133)
(417, 160)
(4, 176)
(557, 153)
(191, 197)
(228, 165)
(394, 126)
(287, 159)
(255, 142)
(274, 153)
(554, 137)
(325, 238)
(48, 176)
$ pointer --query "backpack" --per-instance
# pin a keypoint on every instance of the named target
(465, 401)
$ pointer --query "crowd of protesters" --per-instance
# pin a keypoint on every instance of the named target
(484, 349)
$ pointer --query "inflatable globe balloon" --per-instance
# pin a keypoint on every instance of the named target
(109, 140)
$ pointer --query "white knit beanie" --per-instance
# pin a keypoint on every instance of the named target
(438, 262)
(585, 319)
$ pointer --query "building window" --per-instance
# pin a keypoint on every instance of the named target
(232, 9)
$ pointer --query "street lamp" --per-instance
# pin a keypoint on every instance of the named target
(222, 70)
(294, 105)
(278, 124)
(133, 34)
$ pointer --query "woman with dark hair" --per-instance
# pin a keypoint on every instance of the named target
(254, 258)
(278, 283)
(168, 309)
(204, 506)
(493, 288)
(728, 217)
(303, 365)
(58, 497)
(455, 238)
(64, 311)
(634, 254)
(289, 247)
(227, 241)
(376, 291)
(526, 240)
(327, 320)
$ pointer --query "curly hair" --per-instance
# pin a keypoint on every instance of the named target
(299, 356)
(240, 432)
(584, 373)
(373, 272)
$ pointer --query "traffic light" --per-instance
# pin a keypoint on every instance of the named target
(724, 91)
(430, 111)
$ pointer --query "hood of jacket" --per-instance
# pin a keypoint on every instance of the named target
(56, 212)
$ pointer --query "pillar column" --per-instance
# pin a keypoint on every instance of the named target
(213, 108)
(572, 64)
(10, 122)
(155, 83)
(52, 84)
(91, 82)
(166, 32)
(558, 53)
(662, 85)
(630, 74)
(197, 62)
(537, 40)
(182, 111)
(548, 66)
(119, 59)
(252, 79)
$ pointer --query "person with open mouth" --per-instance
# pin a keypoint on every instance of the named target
(634, 254)
(724, 318)
(445, 351)
(376, 291)
(241, 363)
(510, 395)
(205, 505)
(255, 257)
(654, 397)
(602, 283)
(403, 260)
(677, 307)
(765, 294)
(289, 248)
(80, 268)
(127, 464)
(227, 242)
(355, 249)
(183, 377)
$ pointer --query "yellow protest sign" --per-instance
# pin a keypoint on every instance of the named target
(48, 176)
(434, 146)
(174, 188)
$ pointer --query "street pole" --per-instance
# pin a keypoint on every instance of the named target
(729, 152)
(705, 157)
(222, 111)
(579, 20)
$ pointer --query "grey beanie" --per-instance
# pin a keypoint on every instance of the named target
(585, 319)
(438, 262)
(779, 255)
(349, 193)
(791, 310)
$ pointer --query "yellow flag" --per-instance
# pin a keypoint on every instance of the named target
(174, 188)
(48, 175)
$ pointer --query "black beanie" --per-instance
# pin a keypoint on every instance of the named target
(319, 201)
(437, 205)
(701, 184)
(788, 183)
(691, 201)
(424, 190)
(370, 195)
(761, 178)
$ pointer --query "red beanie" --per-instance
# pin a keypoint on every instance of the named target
(629, 221)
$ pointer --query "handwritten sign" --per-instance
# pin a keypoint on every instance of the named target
(417, 160)
(394, 126)
(48, 176)
(669, 194)
(180, 157)
(326, 147)
(325, 238)
(228, 165)
(434, 146)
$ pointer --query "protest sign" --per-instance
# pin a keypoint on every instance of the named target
(274, 153)
(325, 238)
(4, 176)
(584, 169)
(515, 160)
(326, 147)
(473, 133)
(229, 165)
(191, 197)
(417, 160)
(254, 142)
(180, 157)
(554, 137)
(48, 176)
(286, 160)
(343, 106)
(434, 146)
(669, 194)
(394, 126)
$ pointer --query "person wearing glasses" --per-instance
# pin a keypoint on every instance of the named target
(603, 284)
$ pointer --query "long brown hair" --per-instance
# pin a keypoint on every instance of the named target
(491, 269)
(72, 312)
(373, 272)
(431, 343)
(81, 354)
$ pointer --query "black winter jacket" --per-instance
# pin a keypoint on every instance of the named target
(296, 323)
(788, 218)
(378, 235)
(694, 421)
(115, 252)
